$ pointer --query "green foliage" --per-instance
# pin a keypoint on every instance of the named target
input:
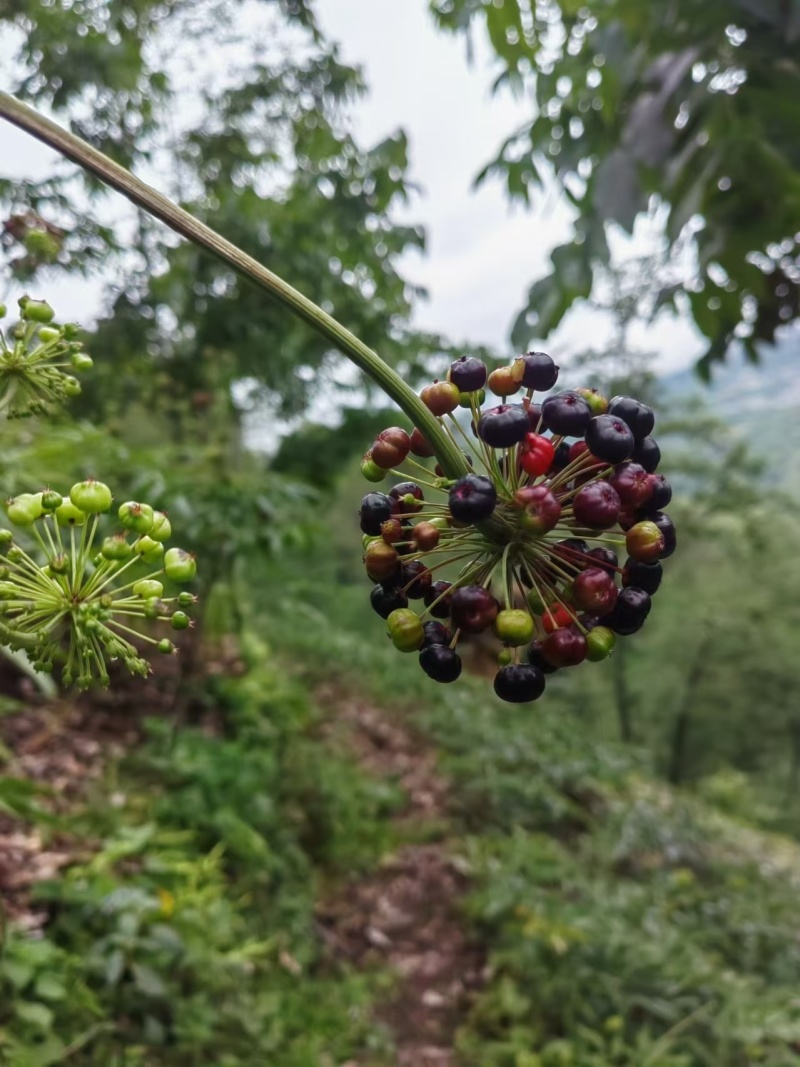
(189, 935)
(693, 107)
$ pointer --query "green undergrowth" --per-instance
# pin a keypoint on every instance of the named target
(625, 923)
(186, 933)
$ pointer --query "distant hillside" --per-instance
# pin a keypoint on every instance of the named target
(761, 402)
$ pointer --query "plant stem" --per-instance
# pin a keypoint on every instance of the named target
(161, 207)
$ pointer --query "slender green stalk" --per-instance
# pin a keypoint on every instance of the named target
(161, 207)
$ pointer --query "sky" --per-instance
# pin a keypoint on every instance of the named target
(482, 253)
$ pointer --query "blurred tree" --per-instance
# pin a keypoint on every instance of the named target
(239, 110)
(685, 106)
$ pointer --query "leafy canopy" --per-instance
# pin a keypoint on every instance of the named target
(692, 106)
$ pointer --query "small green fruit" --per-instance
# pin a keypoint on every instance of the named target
(600, 643)
(136, 517)
(514, 627)
(405, 629)
(179, 565)
(36, 310)
(180, 620)
(148, 587)
(25, 509)
(151, 551)
(162, 527)
(91, 496)
(116, 548)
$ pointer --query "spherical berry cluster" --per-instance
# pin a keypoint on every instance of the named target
(38, 360)
(74, 585)
(554, 540)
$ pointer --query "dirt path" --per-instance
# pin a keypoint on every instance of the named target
(406, 914)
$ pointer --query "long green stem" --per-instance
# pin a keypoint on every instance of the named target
(161, 207)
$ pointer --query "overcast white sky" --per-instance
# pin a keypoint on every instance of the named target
(482, 254)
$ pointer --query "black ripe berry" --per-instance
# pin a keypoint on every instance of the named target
(503, 426)
(468, 374)
(437, 590)
(560, 459)
(646, 576)
(566, 414)
(537, 659)
(436, 634)
(661, 493)
(629, 612)
(472, 498)
(440, 663)
(540, 372)
(519, 683)
(637, 415)
(647, 454)
(605, 559)
(384, 601)
(667, 528)
(415, 578)
(609, 438)
(376, 508)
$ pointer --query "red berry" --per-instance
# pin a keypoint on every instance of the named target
(440, 398)
(632, 483)
(536, 453)
(565, 647)
(540, 511)
(391, 447)
(426, 536)
(594, 590)
(473, 608)
(556, 617)
(418, 445)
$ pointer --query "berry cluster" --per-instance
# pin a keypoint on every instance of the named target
(72, 596)
(529, 539)
(35, 358)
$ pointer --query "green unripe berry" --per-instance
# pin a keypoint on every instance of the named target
(166, 646)
(179, 565)
(465, 399)
(369, 539)
(69, 515)
(153, 607)
(71, 386)
(186, 599)
(514, 627)
(116, 548)
(91, 496)
(71, 330)
(504, 657)
(36, 310)
(370, 469)
(81, 361)
(600, 643)
(136, 517)
(535, 602)
(15, 554)
(180, 620)
(162, 527)
(6, 537)
(405, 629)
(51, 500)
(25, 509)
(151, 551)
(48, 333)
(148, 587)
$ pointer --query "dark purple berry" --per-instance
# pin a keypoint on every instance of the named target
(609, 438)
(399, 495)
(472, 498)
(573, 550)
(560, 459)
(565, 647)
(468, 374)
(667, 528)
(647, 453)
(596, 505)
(540, 371)
(630, 611)
(661, 493)
(637, 415)
(566, 414)
(537, 659)
(519, 683)
(605, 559)
(384, 601)
(417, 577)
(442, 609)
(436, 634)
(503, 426)
(376, 508)
(645, 576)
(534, 415)
(473, 608)
(440, 663)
